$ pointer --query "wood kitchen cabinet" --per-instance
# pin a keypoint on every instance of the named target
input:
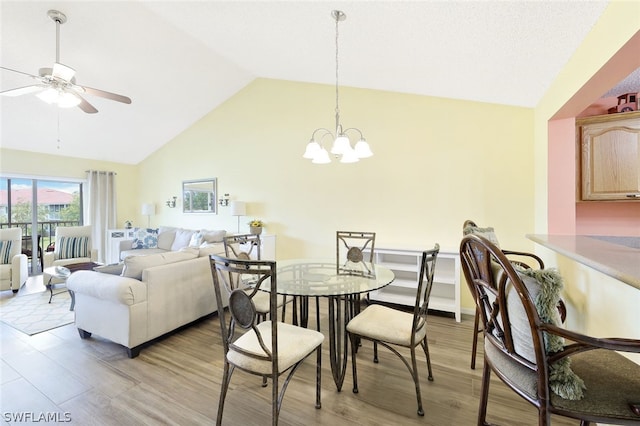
(609, 156)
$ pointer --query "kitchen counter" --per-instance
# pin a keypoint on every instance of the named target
(617, 257)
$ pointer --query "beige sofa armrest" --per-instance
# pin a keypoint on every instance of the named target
(19, 271)
(114, 288)
(48, 259)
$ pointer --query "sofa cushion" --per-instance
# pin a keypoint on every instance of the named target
(134, 265)
(166, 235)
(213, 236)
(140, 252)
(207, 249)
(145, 238)
(5, 252)
(72, 247)
(183, 237)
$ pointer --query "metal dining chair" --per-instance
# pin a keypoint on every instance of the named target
(268, 348)
(392, 328)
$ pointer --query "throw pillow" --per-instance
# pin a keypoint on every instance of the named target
(487, 233)
(145, 238)
(72, 247)
(183, 237)
(5, 252)
(196, 239)
(544, 286)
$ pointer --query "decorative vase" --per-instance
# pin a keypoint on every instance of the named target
(255, 230)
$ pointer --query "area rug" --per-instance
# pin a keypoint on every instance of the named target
(32, 313)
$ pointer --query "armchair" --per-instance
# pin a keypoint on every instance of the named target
(73, 245)
(528, 350)
(14, 269)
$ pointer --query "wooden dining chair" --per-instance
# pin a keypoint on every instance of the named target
(392, 328)
(526, 347)
(520, 258)
(268, 348)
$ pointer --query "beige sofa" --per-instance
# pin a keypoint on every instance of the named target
(169, 239)
(153, 296)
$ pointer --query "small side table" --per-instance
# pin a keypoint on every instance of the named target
(61, 273)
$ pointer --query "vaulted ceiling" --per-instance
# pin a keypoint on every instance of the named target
(179, 60)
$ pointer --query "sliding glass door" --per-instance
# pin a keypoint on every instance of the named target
(38, 206)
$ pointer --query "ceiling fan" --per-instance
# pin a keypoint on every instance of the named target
(58, 84)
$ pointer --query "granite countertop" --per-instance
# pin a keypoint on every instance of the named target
(618, 257)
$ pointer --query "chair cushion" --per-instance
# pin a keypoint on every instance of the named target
(544, 286)
(612, 381)
(294, 344)
(5, 252)
(72, 247)
(145, 238)
(389, 325)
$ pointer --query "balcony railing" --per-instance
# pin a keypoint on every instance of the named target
(46, 232)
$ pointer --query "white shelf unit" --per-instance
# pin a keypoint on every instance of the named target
(405, 264)
(114, 236)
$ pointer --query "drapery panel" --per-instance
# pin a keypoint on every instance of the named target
(102, 208)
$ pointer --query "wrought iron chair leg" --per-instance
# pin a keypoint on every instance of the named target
(484, 394)
(474, 347)
(416, 380)
(318, 376)
(425, 348)
(226, 378)
(375, 352)
(354, 350)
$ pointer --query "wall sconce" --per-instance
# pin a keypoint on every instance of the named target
(171, 203)
(224, 201)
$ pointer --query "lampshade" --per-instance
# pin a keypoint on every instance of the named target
(238, 208)
(148, 209)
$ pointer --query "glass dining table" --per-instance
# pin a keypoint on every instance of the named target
(342, 286)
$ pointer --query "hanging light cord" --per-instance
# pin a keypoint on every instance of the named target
(338, 130)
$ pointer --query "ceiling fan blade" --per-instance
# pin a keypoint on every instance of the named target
(21, 72)
(23, 90)
(63, 72)
(105, 94)
(86, 106)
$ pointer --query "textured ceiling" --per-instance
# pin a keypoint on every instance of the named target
(179, 60)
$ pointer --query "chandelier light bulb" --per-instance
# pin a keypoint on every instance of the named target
(341, 145)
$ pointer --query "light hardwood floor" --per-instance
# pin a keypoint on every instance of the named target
(177, 381)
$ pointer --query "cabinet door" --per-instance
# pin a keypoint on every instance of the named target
(611, 160)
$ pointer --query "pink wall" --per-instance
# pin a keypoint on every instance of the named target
(565, 214)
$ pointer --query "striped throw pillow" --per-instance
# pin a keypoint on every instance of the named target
(72, 247)
(5, 252)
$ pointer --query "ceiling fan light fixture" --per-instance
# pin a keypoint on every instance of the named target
(59, 97)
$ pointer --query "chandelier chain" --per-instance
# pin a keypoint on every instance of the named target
(337, 95)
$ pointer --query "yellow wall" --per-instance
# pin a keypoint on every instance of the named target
(437, 162)
(591, 296)
(45, 166)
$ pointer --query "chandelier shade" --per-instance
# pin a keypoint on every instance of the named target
(341, 147)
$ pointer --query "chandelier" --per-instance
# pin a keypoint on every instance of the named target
(341, 144)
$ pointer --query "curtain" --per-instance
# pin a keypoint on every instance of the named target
(102, 208)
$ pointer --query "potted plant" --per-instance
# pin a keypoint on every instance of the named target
(255, 226)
